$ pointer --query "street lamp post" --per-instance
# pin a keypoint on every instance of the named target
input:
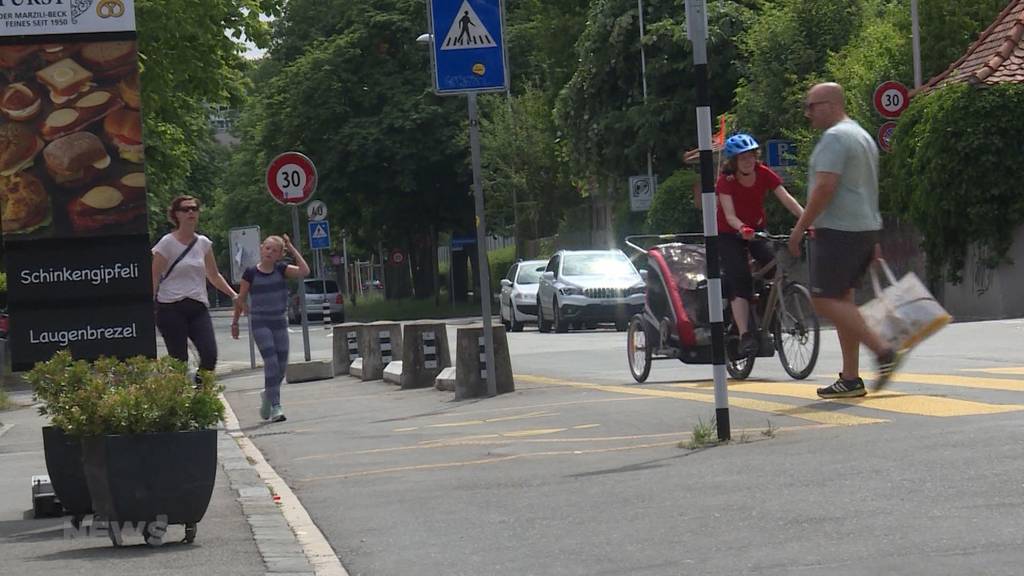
(643, 77)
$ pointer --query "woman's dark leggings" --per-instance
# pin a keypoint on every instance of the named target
(735, 253)
(188, 320)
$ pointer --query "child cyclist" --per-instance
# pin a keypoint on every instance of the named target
(741, 189)
(266, 284)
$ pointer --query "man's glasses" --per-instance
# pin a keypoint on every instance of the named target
(808, 106)
(187, 209)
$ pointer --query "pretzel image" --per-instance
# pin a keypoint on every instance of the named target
(110, 8)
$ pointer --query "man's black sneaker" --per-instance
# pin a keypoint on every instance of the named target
(748, 345)
(888, 363)
(843, 389)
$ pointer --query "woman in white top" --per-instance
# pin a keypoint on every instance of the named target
(182, 263)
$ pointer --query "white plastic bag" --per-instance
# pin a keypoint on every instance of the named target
(905, 312)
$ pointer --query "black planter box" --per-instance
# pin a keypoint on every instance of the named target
(150, 477)
(64, 465)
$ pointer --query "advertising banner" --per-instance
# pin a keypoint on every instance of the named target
(72, 175)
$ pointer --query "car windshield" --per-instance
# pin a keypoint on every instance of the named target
(529, 274)
(321, 287)
(606, 264)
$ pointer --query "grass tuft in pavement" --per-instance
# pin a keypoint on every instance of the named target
(703, 435)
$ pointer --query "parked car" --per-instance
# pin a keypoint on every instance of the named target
(517, 302)
(584, 287)
(4, 323)
(318, 291)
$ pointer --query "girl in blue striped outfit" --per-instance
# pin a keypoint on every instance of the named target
(266, 284)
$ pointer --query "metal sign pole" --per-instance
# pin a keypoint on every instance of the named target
(481, 245)
(697, 30)
(302, 288)
(344, 263)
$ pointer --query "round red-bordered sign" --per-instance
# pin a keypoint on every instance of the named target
(397, 257)
(291, 178)
(891, 99)
(885, 135)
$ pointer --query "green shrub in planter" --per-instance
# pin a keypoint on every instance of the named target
(148, 454)
(134, 396)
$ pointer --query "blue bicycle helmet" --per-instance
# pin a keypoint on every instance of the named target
(739, 143)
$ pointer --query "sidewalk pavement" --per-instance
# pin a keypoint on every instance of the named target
(244, 531)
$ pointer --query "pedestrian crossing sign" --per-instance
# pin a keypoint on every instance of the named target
(468, 45)
(319, 235)
(467, 31)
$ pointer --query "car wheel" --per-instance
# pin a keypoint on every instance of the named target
(561, 326)
(513, 324)
(542, 324)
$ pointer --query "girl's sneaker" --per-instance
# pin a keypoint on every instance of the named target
(264, 406)
(277, 414)
(843, 389)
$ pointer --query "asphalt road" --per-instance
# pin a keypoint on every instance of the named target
(583, 472)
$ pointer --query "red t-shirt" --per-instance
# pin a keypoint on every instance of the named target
(747, 202)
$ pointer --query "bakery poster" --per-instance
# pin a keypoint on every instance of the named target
(71, 154)
(73, 213)
(42, 17)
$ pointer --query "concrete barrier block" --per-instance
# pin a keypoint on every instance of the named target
(425, 353)
(379, 344)
(445, 381)
(356, 368)
(346, 345)
(309, 371)
(470, 367)
(393, 372)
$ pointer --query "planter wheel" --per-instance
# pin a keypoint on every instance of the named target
(114, 531)
(190, 533)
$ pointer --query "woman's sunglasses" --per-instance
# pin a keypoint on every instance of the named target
(188, 209)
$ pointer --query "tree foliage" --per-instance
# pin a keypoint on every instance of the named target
(188, 61)
(601, 110)
(948, 172)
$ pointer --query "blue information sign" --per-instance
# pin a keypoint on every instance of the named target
(468, 45)
(319, 235)
(780, 153)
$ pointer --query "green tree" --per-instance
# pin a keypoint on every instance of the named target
(189, 58)
(349, 86)
(601, 111)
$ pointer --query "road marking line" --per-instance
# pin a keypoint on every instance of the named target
(1005, 384)
(918, 404)
(827, 416)
(585, 426)
(1008, 370)
(675, 441)
(535, 432)
(489, 420)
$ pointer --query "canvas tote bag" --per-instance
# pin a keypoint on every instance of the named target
(905, 312)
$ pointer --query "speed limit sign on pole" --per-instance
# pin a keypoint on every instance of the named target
(291, 178)
(316, 210)
(891, 99)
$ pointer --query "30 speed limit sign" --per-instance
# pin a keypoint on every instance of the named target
(291, 178)
(891, 99)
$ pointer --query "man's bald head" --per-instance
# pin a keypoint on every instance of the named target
(825, 105)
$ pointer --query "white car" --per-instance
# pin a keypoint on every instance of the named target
(586, 287)
(517, 303)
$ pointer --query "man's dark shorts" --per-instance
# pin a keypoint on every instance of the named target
(839, 260)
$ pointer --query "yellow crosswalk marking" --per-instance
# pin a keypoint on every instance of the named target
(1005, 384)
(921, 405)
(1012, 370)
(821, 416)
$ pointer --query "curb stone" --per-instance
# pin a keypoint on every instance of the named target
(278, 546)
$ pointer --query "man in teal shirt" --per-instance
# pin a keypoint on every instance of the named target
(842, 206)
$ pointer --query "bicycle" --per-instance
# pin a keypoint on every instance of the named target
(781, 319)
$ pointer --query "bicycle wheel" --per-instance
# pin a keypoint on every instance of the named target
(796, 331)
(638, 349)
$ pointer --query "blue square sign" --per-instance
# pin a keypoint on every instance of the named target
(468, 45)
(319, 235)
